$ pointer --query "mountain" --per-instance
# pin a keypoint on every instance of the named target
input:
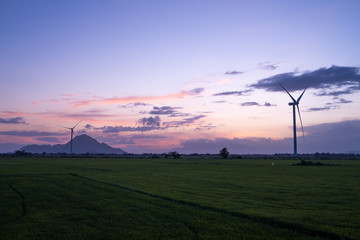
(81, 144)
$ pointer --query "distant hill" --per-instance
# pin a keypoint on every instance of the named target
(81, 144)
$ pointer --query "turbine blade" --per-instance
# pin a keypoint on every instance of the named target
(302, 127)
(288, 93)
(77, 124)
(65, 127)
(298, 100)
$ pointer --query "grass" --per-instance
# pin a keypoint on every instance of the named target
(177, 199)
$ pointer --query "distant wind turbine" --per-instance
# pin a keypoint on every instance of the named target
(293, 104)
(72, 134)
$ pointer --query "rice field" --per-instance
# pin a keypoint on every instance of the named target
(88, 198)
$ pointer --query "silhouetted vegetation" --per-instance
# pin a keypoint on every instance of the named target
(224, 153)
(310, 163)
(174, 154)
(21, 153)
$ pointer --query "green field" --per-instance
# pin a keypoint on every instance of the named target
(70, 198)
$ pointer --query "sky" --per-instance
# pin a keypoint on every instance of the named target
(191, 76)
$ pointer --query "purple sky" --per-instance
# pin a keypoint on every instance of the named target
(191, 76)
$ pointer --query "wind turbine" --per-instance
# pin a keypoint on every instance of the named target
(72, 134)
(293, 104)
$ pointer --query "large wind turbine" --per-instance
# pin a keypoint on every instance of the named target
(72, 134)
(293, 104)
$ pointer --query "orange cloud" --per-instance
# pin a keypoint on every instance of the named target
(117, 100)
(11, 113)
(76, 103)
(223, 81)
(51, 101)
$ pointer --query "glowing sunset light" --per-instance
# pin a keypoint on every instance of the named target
(188, 76)
(124, 100)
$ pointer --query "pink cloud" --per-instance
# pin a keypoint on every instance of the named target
(124, 100)
(96, 100)
(11, 113)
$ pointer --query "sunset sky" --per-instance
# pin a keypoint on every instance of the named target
(191, 76)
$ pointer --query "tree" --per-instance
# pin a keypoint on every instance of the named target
(174, 154)
(224, 153)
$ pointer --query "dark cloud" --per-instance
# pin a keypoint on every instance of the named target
(195, 91)
(99, 128)
(116, 129)
(140, 104)
(31, 133)
(185, 121)
(267, 104)
(88, 126)
(167, 110)
(114, 139)
(148, 124)
(270, 67)
(82, 131)
(208, 126)
(341, 100)
(147, 136)
(234, 93)
(247, 104)
(250, 104)
(150, 121)
(136, 104)
(330, 105)
(233, 72)
(136, 138)
(341, 137)
(136, 143)
(122, 140)
(335, 93)
(323, 78)
(198, 90)
(48, 139)
(267, 66)
(16, 120)
(317, 109)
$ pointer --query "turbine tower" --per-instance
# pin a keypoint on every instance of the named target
(293, 104)
(72, 134)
